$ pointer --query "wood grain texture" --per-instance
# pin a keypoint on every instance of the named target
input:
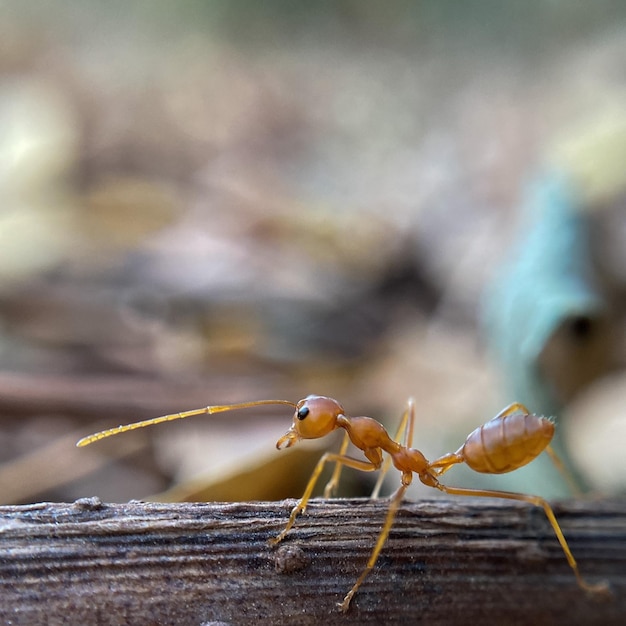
(447, 561)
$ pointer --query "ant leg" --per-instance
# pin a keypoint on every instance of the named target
(331, 485)
(408, 433)
(516, 407)
(382, 537)
(601, 588)
(364, 466)
(408, 417)
(445, 462)
(569, 479)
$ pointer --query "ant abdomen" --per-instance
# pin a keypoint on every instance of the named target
(507, 442)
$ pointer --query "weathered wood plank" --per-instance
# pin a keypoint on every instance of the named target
(446, 561)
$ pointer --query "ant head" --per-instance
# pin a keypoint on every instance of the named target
(315, 417)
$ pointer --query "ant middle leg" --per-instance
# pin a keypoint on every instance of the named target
(380, 542)
(515, 407)
(405, 430)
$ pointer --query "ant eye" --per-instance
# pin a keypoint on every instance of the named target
(302, 412)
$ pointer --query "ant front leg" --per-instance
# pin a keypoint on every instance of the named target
(364, 466)
(331, 485)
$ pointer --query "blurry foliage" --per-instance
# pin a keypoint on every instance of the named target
(204, 202)
(549, 288)
(546, 319)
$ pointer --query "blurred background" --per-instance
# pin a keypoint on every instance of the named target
(213, 202)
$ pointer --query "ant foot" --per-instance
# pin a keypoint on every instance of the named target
(345, 604)
(329, 491)
(601, 590)
(274, 541)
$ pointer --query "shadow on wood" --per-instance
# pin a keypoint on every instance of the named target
(446, 561)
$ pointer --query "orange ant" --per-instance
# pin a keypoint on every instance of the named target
(509, 441)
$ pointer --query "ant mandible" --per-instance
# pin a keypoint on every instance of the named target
(509, 441)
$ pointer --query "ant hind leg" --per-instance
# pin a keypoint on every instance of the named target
(601, 588)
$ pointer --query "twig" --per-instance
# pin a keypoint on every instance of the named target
(458, 561)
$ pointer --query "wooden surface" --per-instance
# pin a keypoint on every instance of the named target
(457, 561)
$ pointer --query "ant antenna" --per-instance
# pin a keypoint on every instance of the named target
(207, 410)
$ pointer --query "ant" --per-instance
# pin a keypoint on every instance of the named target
(509, 441)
